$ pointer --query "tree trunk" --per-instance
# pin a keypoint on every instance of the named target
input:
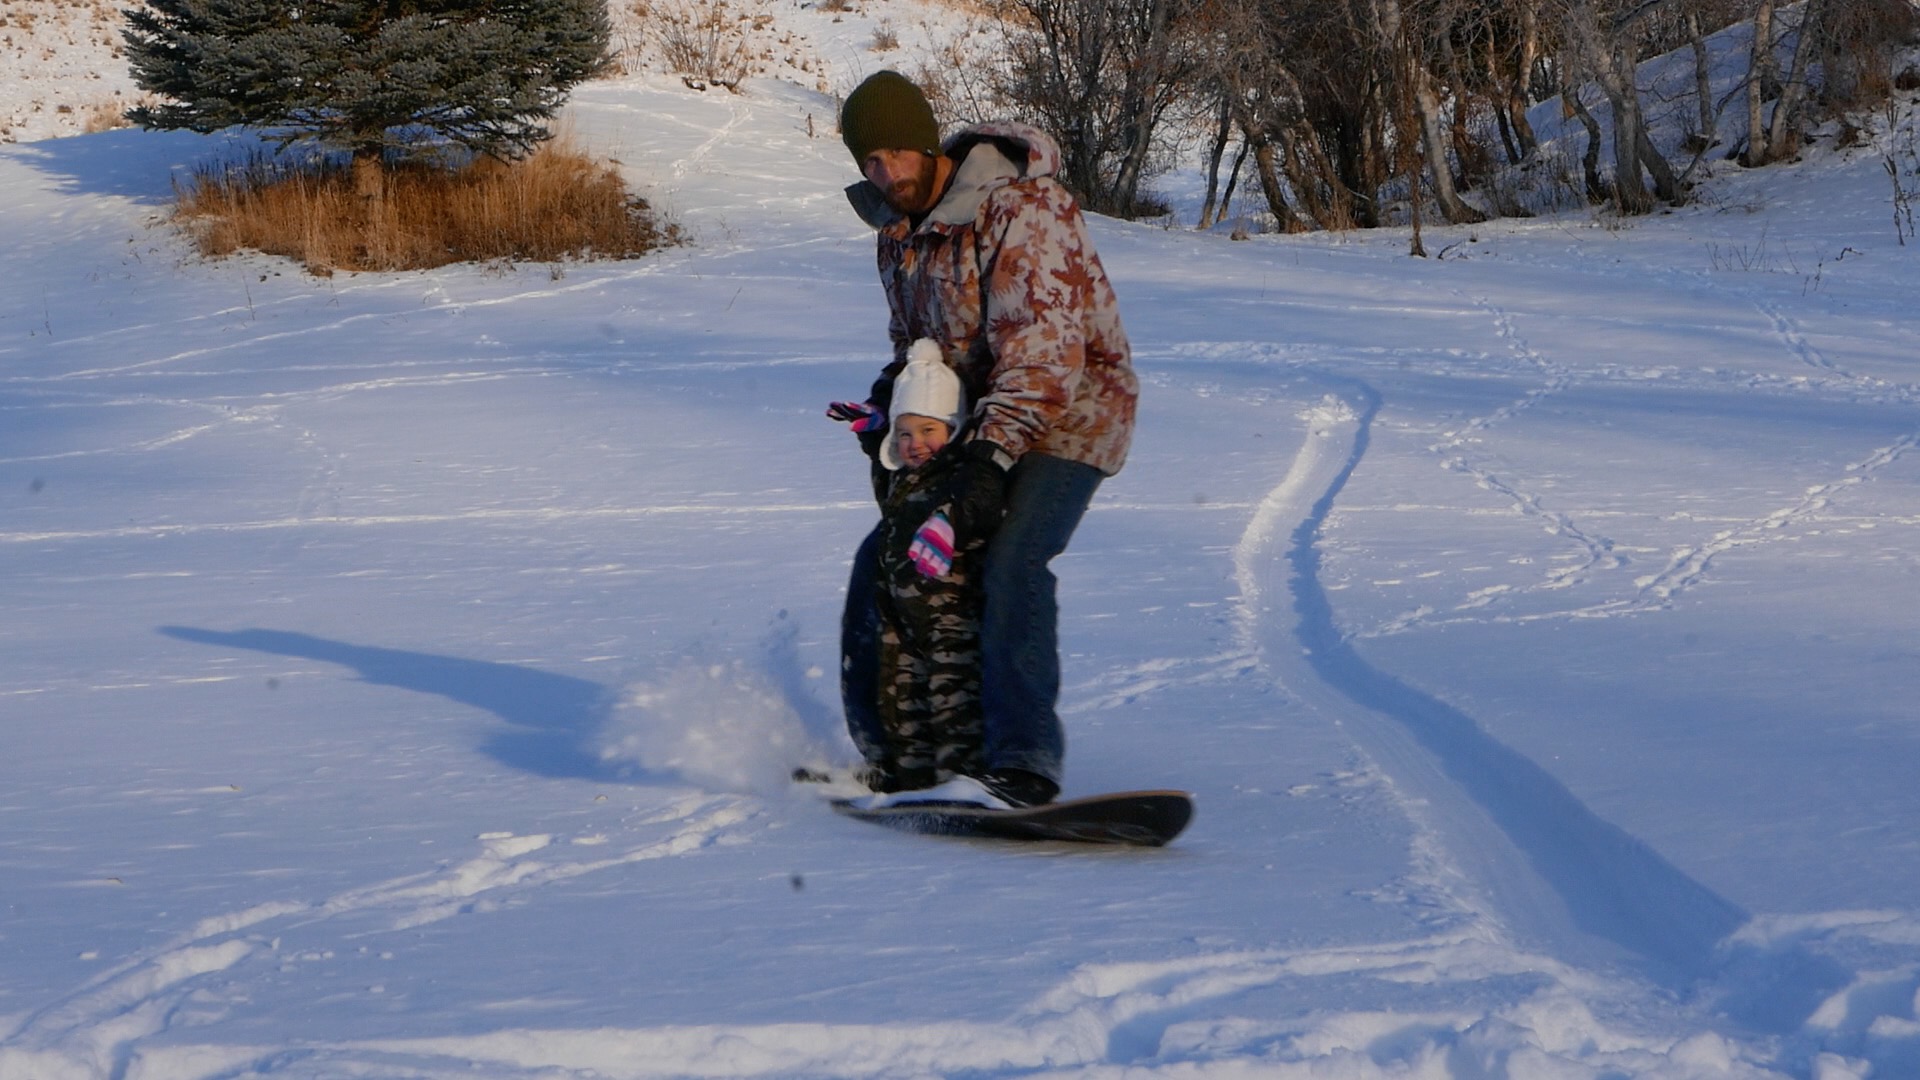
(1415, 247)
(1629, 188)
(1371, 165)
(1665, 183)
(1571, 104)
(1233, 180)
(1433, 138)
(1466, 151)
(1514, 156)
(1702, 81)
(1306, 186)
(1223, 133)
(1782, 139)
(1759, 74)
(369, 174)
(1517, 91)
(1269, 173)
(1149, 71)
(1318, 172)
(1425, 105)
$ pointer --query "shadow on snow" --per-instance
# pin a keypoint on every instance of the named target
(554, 718)
(129, 162)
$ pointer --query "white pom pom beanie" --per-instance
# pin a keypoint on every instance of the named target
(925, 387)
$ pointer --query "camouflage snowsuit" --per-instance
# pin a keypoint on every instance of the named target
(1001, 273)
(929, 633)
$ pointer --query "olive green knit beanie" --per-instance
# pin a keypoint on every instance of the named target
(887, 112)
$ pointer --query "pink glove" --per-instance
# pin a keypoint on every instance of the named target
(932, 547)
(861, 416)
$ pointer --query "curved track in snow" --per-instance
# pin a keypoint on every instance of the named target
(1505, 841)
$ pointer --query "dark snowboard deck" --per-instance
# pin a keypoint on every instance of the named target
(1136, 818)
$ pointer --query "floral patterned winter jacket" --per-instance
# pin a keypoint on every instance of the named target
(1003, 275)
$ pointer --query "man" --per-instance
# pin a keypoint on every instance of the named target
(982, 251)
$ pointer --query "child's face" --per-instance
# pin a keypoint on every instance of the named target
(917, 438)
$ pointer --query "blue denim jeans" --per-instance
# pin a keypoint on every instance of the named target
(1019, 638)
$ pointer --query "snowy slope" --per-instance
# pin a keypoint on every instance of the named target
(401, 669)
(61, 68)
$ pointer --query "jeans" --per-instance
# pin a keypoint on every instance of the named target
(1019, 639)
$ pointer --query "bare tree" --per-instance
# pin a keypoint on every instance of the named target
(1570, 105)
(1759, 77)
(1223, 134)
(1605, 42)
(1100, 75)
(1338, 105)
(1250, 70)
(1528, 51)
(1411, 71)
(1782, 137)
(1706, 116)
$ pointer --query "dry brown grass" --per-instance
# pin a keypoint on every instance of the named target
(106, 115)
(556, 204)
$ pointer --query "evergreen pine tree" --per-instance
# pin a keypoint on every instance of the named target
(367, 75)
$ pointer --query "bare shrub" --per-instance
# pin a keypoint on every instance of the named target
(704, 41)
(105, 115)
(556, 204)
(958, 74)
(1863, 44)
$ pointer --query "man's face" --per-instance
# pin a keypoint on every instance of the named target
(905, 178)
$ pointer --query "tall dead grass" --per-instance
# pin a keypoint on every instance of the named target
(556, 204)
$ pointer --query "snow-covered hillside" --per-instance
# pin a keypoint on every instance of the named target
(400, 671)
(61, 68)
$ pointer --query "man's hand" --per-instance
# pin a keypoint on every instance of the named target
(979, 492)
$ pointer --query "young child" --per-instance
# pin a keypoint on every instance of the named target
(929, 596)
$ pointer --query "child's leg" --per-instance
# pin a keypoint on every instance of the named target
(948, 641)
(901, 762)
(861, 662)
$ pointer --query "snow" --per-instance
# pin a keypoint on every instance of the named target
(61, 68)
(401, 670)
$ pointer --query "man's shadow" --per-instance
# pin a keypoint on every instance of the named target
(554, 718)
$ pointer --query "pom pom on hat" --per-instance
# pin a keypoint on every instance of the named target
(887, 112)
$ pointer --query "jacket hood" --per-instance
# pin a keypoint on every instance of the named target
(1042, 154)
(988, 156)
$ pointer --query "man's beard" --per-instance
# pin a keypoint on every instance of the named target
(909, 194)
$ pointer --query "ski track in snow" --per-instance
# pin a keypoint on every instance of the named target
(1454, 451)
(1688, 565)
(1489, 821)
(93, 1031)
(1504, 853)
